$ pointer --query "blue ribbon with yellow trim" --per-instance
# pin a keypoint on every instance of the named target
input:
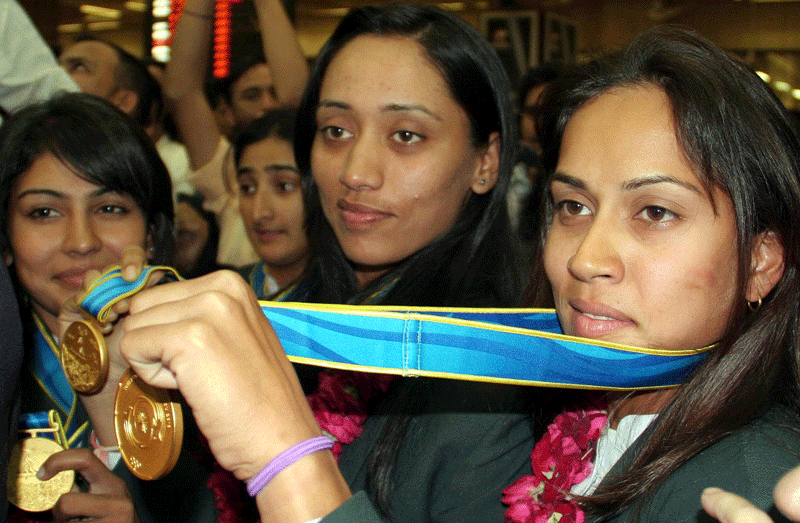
(515, 346)
(45, 367)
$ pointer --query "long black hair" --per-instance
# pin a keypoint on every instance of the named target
(740, 140)
(475, 257)
(102, 145)
(470, 265)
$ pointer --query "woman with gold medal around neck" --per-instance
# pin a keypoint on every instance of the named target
(405, 142)
(81, 184)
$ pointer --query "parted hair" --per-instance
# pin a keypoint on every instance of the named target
(740, 139)
(102, 145)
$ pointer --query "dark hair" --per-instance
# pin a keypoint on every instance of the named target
(102, 145)
(278, 123)
(535, 77)
(222, 87)
(131, 74)
(207, 259)
(739, 139)
(474, 258)
(473, 263)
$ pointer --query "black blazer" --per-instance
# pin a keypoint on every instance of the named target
(748, 463)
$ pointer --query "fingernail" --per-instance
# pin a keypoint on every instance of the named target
(129, 272)
(710, 491)
(41, 473)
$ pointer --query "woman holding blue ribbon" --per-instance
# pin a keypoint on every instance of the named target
(670, 222)
(406, 139)
(80, 184)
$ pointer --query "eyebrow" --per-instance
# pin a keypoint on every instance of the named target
(55, 194)
(385, 108)
(630, 185)
(269, 167)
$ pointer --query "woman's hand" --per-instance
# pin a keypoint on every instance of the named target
(730, 508)
(107, 499)
(100, 406)
(209, 338)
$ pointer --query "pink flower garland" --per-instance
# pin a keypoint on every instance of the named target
(561, 459)
(340, 403)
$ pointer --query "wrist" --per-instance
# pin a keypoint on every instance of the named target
(310, 488)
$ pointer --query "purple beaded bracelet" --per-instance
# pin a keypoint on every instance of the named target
(286, 458)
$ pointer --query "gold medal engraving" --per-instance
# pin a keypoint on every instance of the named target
(149, 427)
(27, 491)
(84, 357)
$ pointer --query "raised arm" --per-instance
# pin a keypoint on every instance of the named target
(282, 51)
(183, 83)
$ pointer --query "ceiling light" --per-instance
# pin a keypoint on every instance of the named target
(103, 26)
(140, 7)
(70, 28)
(796, 94)
(764, 76)
(782, 87)
(105, 12)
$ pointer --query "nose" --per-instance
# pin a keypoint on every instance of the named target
(364, 164)
(263, 204)
(81, 238)
(597, 258)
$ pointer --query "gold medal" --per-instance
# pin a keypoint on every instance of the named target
(84, 357)
(149, 427)
(27, 491)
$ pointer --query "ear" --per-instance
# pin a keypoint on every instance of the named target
(488, 167)
(766, 266)
(149, 246)
(223, 114)
(125, 100)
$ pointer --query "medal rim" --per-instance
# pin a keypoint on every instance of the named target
(101, 374)
(173, 442)
(13, 466)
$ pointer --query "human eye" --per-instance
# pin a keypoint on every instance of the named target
(247, 188)
(286, 187)
(42, 213)
(407, 137)
(251, 95)
(658, 214)
(572, 208)
(286, 182)
(110, 208)
(333, 132)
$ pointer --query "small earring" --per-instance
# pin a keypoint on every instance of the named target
(482, 181)
(754, 305)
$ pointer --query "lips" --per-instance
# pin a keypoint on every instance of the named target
(357, 216)
(73, 278)
(593, 320)
(268, 235)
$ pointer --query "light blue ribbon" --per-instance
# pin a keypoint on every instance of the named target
(518, 346)
(45, 366)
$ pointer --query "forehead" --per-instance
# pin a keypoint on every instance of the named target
(257, 75)
(99, 52)
(370, 66)
(269, 148)
(48, 171)
(623, 131)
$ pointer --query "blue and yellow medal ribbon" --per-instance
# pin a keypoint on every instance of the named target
(45, 367)
(513, 346)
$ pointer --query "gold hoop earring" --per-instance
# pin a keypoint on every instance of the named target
(754, 305)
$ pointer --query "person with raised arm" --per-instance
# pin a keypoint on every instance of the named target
(253, 87)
